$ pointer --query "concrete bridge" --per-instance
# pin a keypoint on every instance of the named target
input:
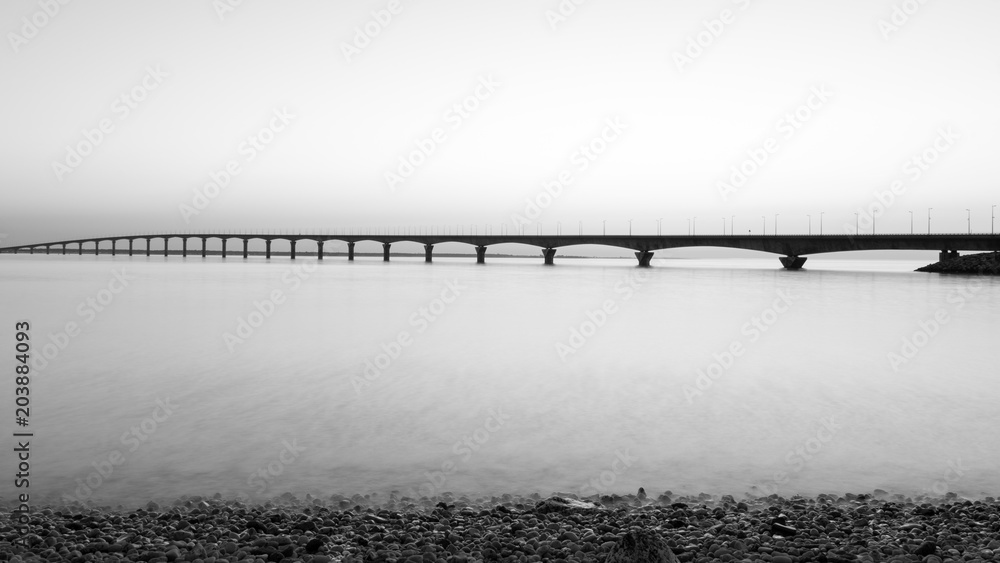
(792, 249)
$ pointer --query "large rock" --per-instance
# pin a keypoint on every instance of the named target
(641, 547)
(564, 505)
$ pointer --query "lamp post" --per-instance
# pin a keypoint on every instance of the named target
(874, 213)
(992, 217)
(604, 227)
(731, 231)
(856, 230)
(969, 219)
(911, 222)
(629, 227)
(763, 225)
(929, 220)
(658, 230)
(810, 223)
(775, 224)
(821, 222)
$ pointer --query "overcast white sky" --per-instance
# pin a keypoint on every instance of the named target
(536, 89)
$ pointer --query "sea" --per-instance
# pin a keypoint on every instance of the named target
(152, 378)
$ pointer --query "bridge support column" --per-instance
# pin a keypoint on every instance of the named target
(184, 247)
(267, 249)
(64, 249)
(204, 246)
(550, 255)
(97, 248)
(947, 255)
(114, 248)
(385, 251)
(130, 244)
(644, 257)
(149, 241)
(319, 250)
(792, 262)
(166, 246)
(293, 249)
(350, 251)
(31, 250)
(47, 250)
(246, 248)
(80, 250)
(428, 252)
(480, 255)
(224, 241)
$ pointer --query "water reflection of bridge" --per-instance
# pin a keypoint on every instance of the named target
(792, 249)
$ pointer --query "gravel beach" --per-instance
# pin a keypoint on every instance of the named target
(864, 527)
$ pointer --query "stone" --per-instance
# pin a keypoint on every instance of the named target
(562, 505)
(926, 548)
(641, 546)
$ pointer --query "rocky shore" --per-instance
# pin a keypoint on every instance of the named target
(867, 527)
(985, 263)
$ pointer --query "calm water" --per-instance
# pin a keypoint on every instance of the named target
(491, 390)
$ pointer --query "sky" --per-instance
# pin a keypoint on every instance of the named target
(304, 115)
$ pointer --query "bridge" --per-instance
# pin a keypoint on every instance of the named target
(792, 249)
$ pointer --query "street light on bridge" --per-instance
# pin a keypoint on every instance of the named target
(874, 213)
(604, 227)
(992, 217)
(911, 222)
(775, 224)
(658, 229)
(929, 220)
(763, 225)
(969, 219)
(629, 227)
(810, 223)
(857, 231)
(821, 222)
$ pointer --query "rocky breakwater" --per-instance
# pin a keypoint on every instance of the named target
(985, 263)
(871, 528)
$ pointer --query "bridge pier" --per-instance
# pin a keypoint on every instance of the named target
(293, 248)
(428, 252)
(224, 241)
(47, 249)
(97, 248)
(148, 243)
(114, 248)
(350, 251)
(166, 246)
(184, 247)
(792, 262)
(204, 247)
(948, 255)
(319, 250)
(80, 250)
(550, 255)
(644, 257)
(246, 248)
(31, 250)
(480, 255)
(385, 251)
(64, 249)
(267, 250)
(130, 244)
